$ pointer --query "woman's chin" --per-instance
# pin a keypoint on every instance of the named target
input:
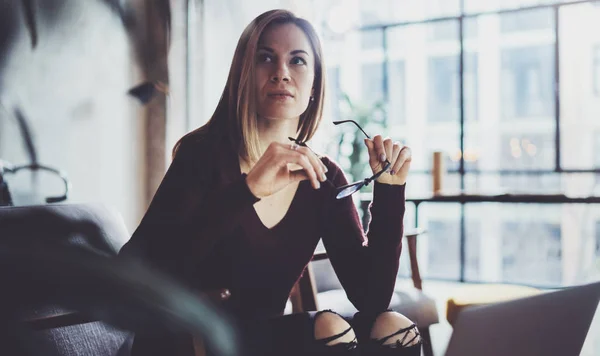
(278, 115)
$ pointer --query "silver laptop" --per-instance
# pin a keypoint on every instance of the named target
(554, 323)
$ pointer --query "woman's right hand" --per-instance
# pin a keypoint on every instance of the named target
(272, 172)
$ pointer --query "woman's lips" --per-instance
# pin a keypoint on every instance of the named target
(280, 97)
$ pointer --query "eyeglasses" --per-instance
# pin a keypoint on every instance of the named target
(349, 189)
(7, 168)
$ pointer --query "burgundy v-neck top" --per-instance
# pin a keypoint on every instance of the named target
(202, 229)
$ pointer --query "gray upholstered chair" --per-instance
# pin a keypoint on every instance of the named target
(319, 288)
(57, 331)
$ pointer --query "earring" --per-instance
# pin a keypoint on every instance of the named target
(312, 98)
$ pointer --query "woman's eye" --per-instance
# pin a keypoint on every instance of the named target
(298, 60)
(265, 58)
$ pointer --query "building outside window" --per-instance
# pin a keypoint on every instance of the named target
(334, 91)
(396, 93)
(444, 81)
(371, 83)
(527, 82)
(529, 20)
(444, 84)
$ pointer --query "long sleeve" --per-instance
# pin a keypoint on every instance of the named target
(189, 213)
(365, 265)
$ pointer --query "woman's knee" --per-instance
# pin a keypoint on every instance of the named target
(329, 324)
(389, 323)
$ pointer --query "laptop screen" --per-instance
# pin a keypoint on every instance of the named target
(591, 346)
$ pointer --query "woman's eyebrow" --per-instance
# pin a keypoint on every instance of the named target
(296, 51)
(271, 50)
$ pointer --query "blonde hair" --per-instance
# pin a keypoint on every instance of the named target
(236, 113)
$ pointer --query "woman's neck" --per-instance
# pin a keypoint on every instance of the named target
(273, 130)
(277, 130)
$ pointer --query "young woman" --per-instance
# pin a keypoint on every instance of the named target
(242, 208)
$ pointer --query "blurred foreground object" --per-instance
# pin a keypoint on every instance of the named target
(50, 255)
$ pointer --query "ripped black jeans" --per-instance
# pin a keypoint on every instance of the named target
(293, 335)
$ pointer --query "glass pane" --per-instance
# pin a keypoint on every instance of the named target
(443, 101)
(334, 92)
(514, 183)
(596, 70)
(550, 245)
(439, 248)
(420, 184)
(527, 82)
(509, 125)
(374, 12)
(430, 66)
(523, 151)
(371, 39)
(371, 89)
(579, 84)
(527, 20)
(573, 184)
(472, 6)
(396, 82)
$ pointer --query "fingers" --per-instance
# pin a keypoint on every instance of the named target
(304, 162)
(402, 162)
(375, 154)
(317, 164)
(312, 168)
(388, 147)
(396, 148)
(379, 148)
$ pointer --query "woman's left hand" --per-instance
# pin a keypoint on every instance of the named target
(398, 155)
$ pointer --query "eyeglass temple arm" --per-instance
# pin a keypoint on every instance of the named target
(354, 122)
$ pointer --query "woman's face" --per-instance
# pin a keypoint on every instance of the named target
(285, 72)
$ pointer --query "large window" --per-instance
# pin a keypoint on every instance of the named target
(506, 97)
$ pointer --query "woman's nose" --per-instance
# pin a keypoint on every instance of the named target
(281, 74)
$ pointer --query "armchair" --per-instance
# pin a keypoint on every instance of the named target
(56, 330)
